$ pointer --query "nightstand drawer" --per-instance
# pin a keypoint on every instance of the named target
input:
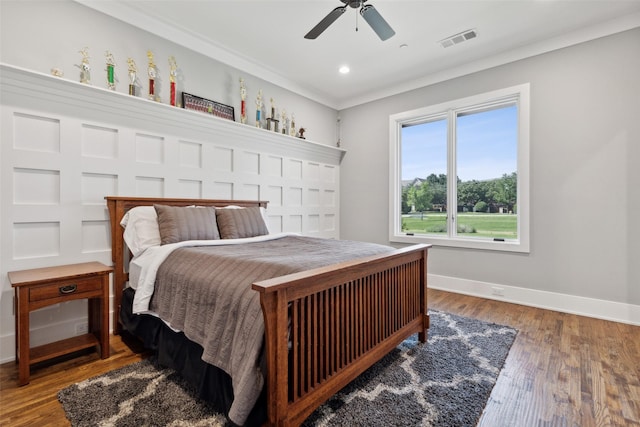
(68, 288)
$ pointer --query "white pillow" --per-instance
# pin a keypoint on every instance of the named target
(141, 229)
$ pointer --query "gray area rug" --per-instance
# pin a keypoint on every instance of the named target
(446, 382)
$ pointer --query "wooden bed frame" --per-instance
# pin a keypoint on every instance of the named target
(323, 327)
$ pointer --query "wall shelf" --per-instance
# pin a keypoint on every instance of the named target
(29, 89)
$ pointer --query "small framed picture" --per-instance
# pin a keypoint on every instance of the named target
(196, 103)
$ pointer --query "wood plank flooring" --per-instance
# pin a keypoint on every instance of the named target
(563, 370)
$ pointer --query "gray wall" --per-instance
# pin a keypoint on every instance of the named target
(40, 35)
(585, 171)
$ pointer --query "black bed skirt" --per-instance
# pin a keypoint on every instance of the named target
(174, 350)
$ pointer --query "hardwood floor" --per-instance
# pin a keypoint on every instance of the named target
(563, 370)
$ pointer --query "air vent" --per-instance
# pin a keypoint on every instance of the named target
(458, 38)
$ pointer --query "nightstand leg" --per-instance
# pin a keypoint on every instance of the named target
(22, 328)
(104, 318)
(99, 318)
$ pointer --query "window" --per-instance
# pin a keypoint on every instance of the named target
(460, 172)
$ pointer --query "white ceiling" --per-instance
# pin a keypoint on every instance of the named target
(266, 38)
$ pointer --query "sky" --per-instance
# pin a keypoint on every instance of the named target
(486, 146)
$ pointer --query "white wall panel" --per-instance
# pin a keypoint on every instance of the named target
(313, 198)
(293, 169)
(95, 186)
(222, 159)
(222, 190)
(273, 166)
(330, 222)
(313, 172)
(330, 174)
(294, 224)
(250, 192)
(274, 195)
(36, 186)
(294, 196)
(36, 239)
(249, 163)
(314, 223)
(95, 236)
(190, 154)
(148, 186)
(99, 142)
(190, 189)
(149, 149)
(330, 198)
(37, 133)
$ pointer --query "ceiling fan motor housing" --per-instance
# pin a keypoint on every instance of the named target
(354, 3)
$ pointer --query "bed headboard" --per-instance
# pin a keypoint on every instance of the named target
(118, 206)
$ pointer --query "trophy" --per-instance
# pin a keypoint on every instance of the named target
(292, 126)
(85, 68)
(173, 73)
(283, 115)
(273, 108)
(111, 65)
(273, 124)
(151, 71)
(258, 108)
(132, 76)
(243, 107)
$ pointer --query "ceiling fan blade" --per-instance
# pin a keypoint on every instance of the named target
(377, 22)
(324, 24)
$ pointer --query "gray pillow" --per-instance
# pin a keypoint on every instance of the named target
(178, 223)
(239, 223)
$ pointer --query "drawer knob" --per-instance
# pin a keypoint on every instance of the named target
(67, 289)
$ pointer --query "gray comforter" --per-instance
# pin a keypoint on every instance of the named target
(206, 293)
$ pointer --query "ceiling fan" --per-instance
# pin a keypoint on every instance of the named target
(368, 12)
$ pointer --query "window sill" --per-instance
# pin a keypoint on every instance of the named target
(460, 242)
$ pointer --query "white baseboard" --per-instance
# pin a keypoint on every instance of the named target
(590, 307)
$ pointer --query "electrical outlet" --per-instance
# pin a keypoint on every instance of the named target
(497, 291)
(82, 328)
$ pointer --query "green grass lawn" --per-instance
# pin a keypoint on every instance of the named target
(485, 225)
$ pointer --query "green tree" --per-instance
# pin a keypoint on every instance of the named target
(423, 197)
(480, 206)
(438, 185)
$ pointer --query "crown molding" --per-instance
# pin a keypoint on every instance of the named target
(185, 37)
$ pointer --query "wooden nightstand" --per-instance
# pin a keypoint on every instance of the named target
(41, 287)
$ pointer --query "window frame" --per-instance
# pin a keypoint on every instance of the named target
(519, 93)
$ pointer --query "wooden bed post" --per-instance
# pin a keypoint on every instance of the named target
(116, 212)
(274, 308)
(422, 335)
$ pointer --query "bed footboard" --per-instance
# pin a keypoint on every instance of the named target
(326, 326)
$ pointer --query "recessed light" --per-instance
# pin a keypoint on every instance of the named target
(403, 45)
(344, 70)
